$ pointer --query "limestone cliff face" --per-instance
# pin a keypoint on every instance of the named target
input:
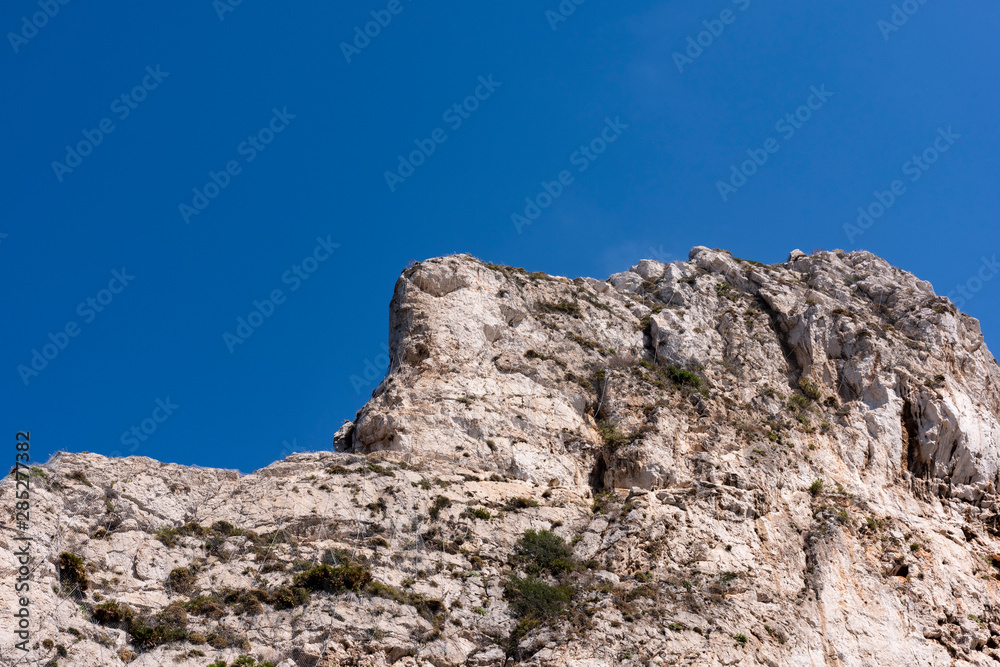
(721, 463)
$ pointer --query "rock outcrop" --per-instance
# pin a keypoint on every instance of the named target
(711, 462)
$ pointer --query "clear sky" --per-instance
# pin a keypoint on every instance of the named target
(175, 162)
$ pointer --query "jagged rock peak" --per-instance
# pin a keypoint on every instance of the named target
(520, 372)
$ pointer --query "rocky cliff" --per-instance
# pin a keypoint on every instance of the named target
(711, 462)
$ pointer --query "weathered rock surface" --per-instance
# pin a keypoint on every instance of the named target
(782, 465)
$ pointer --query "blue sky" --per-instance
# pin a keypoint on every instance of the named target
(212, 154)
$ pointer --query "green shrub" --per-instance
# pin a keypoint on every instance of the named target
(246, 601)
(562, 306)
(169, 625)
(583, 342)
(439, 504)
(543, 550)
(479, 513)
(519, 503)
(683, 377)
(874, 525)
(810, 388)
(344, 577)
(611, 435)
(250, 661)
(603, 501)
(227, 529)
(226, 637)
(78, 476)
(816, 487)
(741, 639)
(798, 402)
(334, 557)
(169, 536)
(286, 597)
(532, 598)
(112, 614)
(181, 579)
(205, 606)
(146, 637)
(72, 573)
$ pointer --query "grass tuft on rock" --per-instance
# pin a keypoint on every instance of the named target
(334, 579)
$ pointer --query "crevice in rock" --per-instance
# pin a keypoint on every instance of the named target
(597, 473)
(792, 368)
(845, 391)
(911, 458)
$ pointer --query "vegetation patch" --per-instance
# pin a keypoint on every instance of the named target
(543, 551)
(810, 389)
(562, 306)
(246, 601)
(439, 504)
(208, 606)
(181, 579)
(169, 536)
(611, 435)
(226, 637)
(518, 503)
(603, 502)
(288, 597)
(683, 377)
(535, 601)
(478, 513)
(334, 579)
(72, 573)
(583, 342)
(145, 632)
(532, 354)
